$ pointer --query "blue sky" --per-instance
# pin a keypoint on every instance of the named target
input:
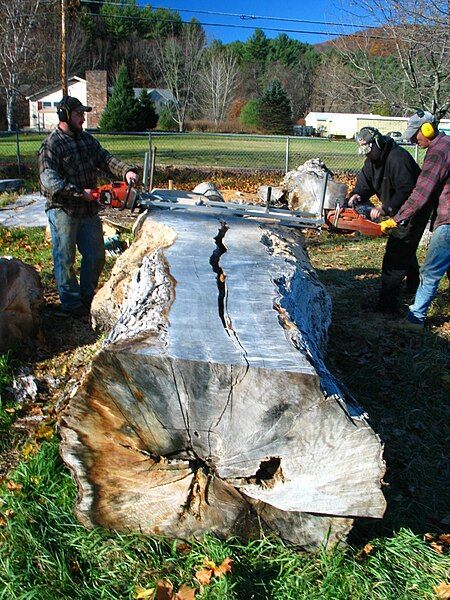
(312, 10)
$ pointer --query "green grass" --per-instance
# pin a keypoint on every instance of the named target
(401, 379)
(46, 554)
(200, 149)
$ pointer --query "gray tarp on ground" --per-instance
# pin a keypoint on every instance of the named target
(27, 211)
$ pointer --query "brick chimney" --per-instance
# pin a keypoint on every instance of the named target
(97, 96)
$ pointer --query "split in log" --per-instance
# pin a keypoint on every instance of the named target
(210, 408)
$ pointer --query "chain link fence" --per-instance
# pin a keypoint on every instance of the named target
(18, 151)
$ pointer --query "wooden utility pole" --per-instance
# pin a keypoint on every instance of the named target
(64, 77)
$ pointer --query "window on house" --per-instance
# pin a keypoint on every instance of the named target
(47, 104)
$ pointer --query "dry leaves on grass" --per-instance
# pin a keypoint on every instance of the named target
(442, 591)
(210, 570)
(439, 543)
(164, 591)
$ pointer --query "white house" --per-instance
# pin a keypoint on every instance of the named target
(348, 124)
(92, 91)
(43, 104)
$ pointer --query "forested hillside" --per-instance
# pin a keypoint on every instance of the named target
(393, 68)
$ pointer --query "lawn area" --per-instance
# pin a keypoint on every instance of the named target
(203, 149)
(401, 379)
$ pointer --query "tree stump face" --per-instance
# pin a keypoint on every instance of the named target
(210, 407)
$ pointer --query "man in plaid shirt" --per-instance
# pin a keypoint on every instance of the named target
(69, 161)
(433, 186)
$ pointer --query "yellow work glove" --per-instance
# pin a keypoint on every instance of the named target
(388, 224)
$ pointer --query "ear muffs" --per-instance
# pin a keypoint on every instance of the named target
(428, 130)
(63, 111)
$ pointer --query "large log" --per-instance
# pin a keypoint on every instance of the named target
(209, 407)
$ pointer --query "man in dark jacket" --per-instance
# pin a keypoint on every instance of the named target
(390, 173)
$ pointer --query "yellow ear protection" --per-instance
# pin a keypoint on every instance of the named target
(428, 130)
(63, 110)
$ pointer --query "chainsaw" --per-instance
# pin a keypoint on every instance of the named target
(349, 220)
(121, 195)
(117, 194)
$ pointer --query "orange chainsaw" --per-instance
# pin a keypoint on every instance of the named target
(114, 195)
(348, 219)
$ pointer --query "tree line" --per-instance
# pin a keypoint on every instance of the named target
(261, 84)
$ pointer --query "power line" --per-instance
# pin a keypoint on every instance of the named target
(230, 25)
(238, 15)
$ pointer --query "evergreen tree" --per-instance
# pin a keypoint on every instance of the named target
(122, 111)
(147, 116)
(275, 112)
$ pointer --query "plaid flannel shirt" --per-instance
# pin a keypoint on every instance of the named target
(69, 165)
(433, 184)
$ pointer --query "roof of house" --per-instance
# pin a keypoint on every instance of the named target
(53, 88)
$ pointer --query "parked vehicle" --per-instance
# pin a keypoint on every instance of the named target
(396, 135)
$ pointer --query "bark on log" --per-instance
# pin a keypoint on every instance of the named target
(21, 297)
(210, 407)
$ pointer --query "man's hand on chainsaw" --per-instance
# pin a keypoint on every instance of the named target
(387, 225)
(89, 196)
(376, 213)
(131, 176)
(354, 200)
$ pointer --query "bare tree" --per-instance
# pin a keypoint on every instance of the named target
(179, 61)
(416, 33)
(18, 19)
(218, 82)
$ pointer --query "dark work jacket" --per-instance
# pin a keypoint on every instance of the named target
(392, 178)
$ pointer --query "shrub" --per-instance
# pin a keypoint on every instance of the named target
(166, 121)
(250, 113)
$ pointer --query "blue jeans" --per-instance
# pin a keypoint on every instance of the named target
(69, 233)
(437, 262)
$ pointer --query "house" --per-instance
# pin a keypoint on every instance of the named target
(43, 104)
(346, 125)
(93, 91)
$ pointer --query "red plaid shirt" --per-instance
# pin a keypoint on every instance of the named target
(433, 184)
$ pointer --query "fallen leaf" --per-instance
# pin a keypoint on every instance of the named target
(10, 411)
(364, 552)
(164, 590)
(144, 593)
(9, 512)
(445, 538)
(439, 548)
(45, 432)
(225, 567)
(29, 450)
(442, 591)
(183, 548)
(203, 576)
(185, 593)
(13, 486)
(2, 521)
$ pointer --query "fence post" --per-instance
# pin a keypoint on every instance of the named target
(287, 155)
(19, 166)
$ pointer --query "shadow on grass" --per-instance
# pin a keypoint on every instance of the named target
(402, 380)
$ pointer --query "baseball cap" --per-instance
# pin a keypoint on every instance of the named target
(416, 121)
(71, 103)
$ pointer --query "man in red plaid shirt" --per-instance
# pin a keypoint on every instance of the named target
(433, 186)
